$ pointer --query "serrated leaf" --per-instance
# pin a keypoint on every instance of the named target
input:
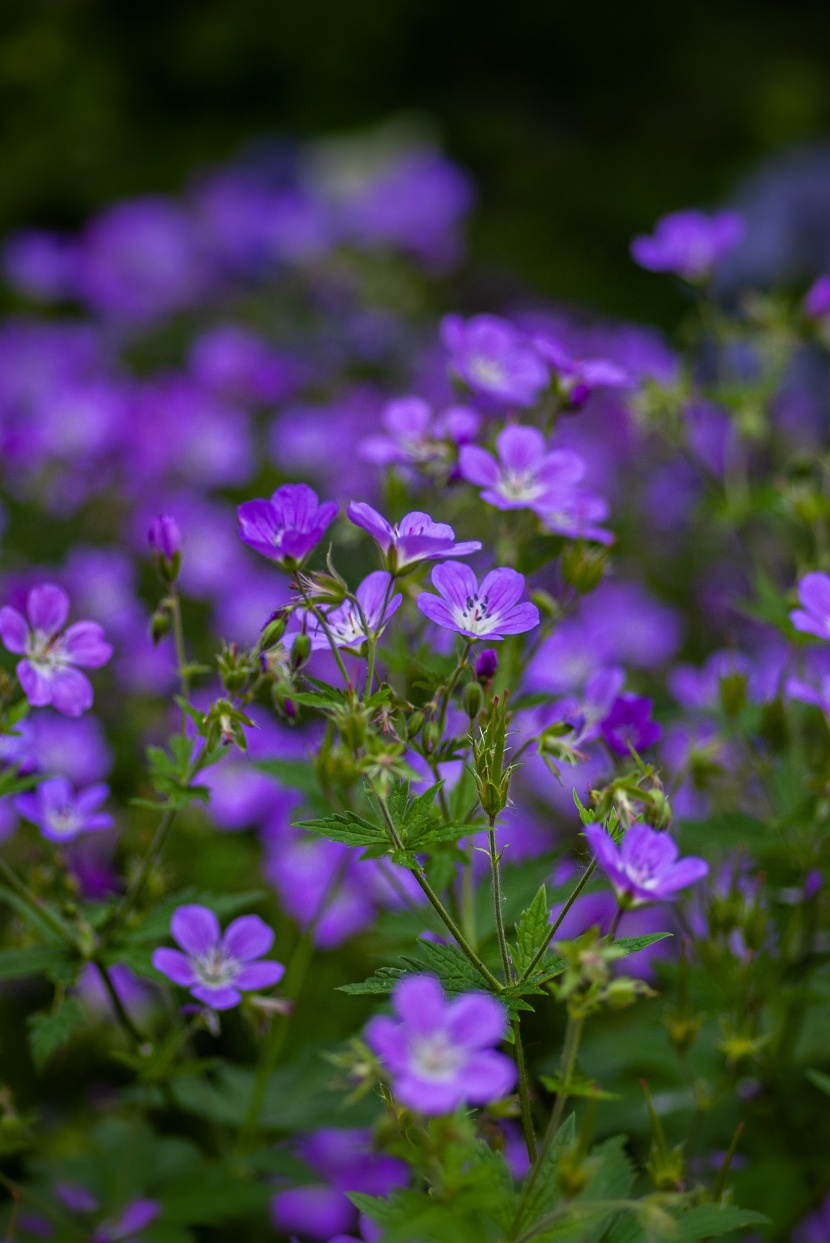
(49, 1032)
(531, 930)
(379, 984)
(633, 945)
(347, 827)
(455, 972)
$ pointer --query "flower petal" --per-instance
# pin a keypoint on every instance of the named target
(436, 610)
(420, 1002)
(260, 975)
(478, 466)
(222, 998)
(48, 607)
(487, 1077)
(176, 966)
(502, 588)
(14, 630)
(71, 692)
(37, 684)
(195, 928)
(456, 582)
(475, 1020)
(86, 645)
(520, 618)
(520, 448)
(247, 938)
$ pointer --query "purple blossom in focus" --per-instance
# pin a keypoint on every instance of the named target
(49, 672)
(351, 624)
(493, 358)
(644, 866)
(218, 968)
(60, 812)
(487, 611)
(286, 528)
(689, 243)
(629, 724)
(525, 475)
(814, 615)
(439, 1053)
(414, 539)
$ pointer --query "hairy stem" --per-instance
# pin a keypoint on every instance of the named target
(497, 901)
(524, 1092)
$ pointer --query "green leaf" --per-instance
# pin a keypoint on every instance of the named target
(586, 816)
(455, 972)
(33, 960)
(632, 945)
(709, 1221)
(580, 1085)
(349, 828)
(543, 1195)
(48, 1032)
(47, 932)
(379, 984)
(531, 930)
(819, 1080)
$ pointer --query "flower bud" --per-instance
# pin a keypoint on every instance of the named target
(274, 629)
(430, 736)
(159, 626)
(473, 699)
(414, 723)
(487, 662)
(165, 540)
(300, 651)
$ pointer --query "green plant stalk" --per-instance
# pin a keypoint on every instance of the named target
(181, 654)
(524, 1092)
(497, 901)
(156, 847)
(555, 926)
(118, 1006)
(33, 902)
(324, 626)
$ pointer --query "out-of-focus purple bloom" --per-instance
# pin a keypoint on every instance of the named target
(351, 624)
(816, 1227)
(644, 866)
(128, 1227)
(49, 672)
(493, 358)
(439, 1053)
(414, 539)
(525, 475)
(241, 366)
(41, 264)
(814, 615)
(487, 662)
(689, 243)
(218, 969)
(711, 436)
(414, 436)
(589, 711)
(817, 298)
(347, 1163)
(286, 528)
(813, 884)
(60, 813)
(164, 536)
(141, 260)
(488, 611)
(629, 722)
(576, 378)
(76, 1197)
(577, 514)
(182, 430)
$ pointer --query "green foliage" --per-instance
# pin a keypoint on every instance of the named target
(49, 1031)
(531, 930)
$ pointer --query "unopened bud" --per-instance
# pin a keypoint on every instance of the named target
(159, 626)
(165, 540)
(430, 736)
(473, 699)
(273, 630)
(414, 723)
(487, 662)
(300, 651)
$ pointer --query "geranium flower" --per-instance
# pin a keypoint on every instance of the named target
(525, 474)
(218, 969)
(414, 539)
(487, 611)
(440, 1053)
(49, 673)
(689, 243)
(286, 528)
(60, 813)
(644, 866)
(495, 359)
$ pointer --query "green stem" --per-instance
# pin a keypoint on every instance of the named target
(555, 926)
(438, 906)
(181, 654)
(156, 847)
(451, 685)
(324, 626)
(35, 904)
(567, 1064)
(524, 1092)
(118, 1006)
(497, 901)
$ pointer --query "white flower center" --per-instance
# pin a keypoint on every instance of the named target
(64, 821)
(348, 628)
(46, 651)
(520, 485)
(434, 1058)
(215, 970)
(487, 372)
(475, 615)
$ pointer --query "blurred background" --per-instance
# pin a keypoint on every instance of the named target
(580, 123)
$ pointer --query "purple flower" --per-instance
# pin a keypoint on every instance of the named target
(814, 615)
(129, 1225)
(489, 611)
(218, 969)
(351, 623)
(495, 359)
(413, 436)
(48, 674)
(525, 475)
(487, 662)
(817, 298)
(414, 539)
(689, 243)
(439, 1053)
(41, 264)
(576, 378)
(60, 813)
(644, 866)
(576, 514)
(629, 721)
(164, 536)
(286, 528)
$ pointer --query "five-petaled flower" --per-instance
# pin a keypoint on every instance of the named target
(689, 243)
(414, 539)
(413, 435)
(48, 673)
(286, 528)
(814, 615)
(644, 867)
(525, 475)
(488, 611)
(439, 1053)
(60, 813)
(495, 359)
(218, 969)
(353, 621)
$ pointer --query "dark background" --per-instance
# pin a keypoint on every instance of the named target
(580, 122)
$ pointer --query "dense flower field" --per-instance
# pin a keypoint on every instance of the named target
(414, 739)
